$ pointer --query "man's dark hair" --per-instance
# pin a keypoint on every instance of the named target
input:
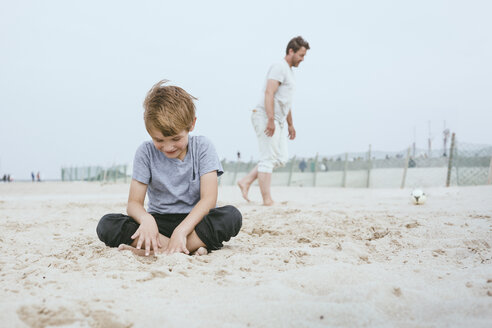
(297, 43)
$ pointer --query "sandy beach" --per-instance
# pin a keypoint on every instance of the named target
(320, 257)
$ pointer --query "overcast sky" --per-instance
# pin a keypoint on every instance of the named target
(73, 75)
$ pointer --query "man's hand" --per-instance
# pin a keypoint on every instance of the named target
(148, 234)
(177, 242)
(292, 132)
(270, 128)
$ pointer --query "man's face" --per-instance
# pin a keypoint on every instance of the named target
(173, 146)
(298, 56)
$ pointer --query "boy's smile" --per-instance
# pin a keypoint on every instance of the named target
(173, 146)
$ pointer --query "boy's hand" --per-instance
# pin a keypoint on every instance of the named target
(177, 242)
(148, 234)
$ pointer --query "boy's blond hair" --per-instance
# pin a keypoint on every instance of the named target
(168, 108)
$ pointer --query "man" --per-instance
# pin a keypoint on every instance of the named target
(269, 117)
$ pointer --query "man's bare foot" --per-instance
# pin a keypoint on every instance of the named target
(268, 202)
(139, 252)
(200, 251)
(244, 189)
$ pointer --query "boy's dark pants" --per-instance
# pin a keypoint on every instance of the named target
(219, 225)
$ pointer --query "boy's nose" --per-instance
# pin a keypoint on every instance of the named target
(168, 148)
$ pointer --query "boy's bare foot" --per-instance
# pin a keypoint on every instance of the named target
(200, 251)
(268, 202)
(244, 189)
(139, 252)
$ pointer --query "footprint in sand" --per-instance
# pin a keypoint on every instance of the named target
(101, 318)
(40, 316)
(155, 274)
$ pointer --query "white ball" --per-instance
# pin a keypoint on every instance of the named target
(418, 197)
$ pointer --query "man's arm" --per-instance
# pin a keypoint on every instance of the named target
(290, 123)
(147, 233)
(271, 88)
(208, 200)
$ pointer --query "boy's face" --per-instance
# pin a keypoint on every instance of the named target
(173, 146)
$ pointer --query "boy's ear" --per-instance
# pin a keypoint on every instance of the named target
(192, 125)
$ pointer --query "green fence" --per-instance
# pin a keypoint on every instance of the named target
(459, 165)
(95, 173)
(471, 165)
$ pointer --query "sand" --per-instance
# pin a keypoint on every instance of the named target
(319, 257)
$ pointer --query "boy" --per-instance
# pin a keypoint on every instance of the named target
(179, 174)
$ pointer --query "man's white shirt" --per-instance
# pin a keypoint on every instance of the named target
(281, 72)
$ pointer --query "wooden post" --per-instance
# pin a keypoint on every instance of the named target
(457, 163)
(489, 180)
(236, 167)
(315, 170)
(450, 161)
(405, 168)
(344, 178)
(369, 164)
(223, 162)
(291, 170)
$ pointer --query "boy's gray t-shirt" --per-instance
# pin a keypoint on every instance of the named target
(174, 185)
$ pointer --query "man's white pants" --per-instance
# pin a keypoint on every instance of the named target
(273, 150)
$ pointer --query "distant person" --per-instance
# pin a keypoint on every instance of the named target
(238, 156)
(4, 178)
(38, 176)
(269, 117)
(179, 174)
(324, 164)
(411, 163)
(302, 165)
(32, 176)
